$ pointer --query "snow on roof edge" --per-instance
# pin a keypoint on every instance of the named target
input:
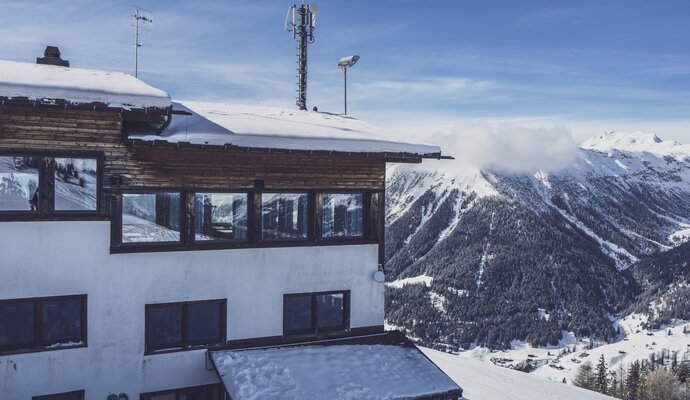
(24, 82)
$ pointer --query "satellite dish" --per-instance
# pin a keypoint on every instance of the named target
(314, 8)
(379, 276)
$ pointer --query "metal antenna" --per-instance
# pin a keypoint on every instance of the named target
(141, 17)
(301, 20)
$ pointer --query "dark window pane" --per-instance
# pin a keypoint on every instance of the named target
(76, 182)
(62, 324)
(201, 393)
(62, 396)
(164, 396)
(164, 327)
(150, 217)
(297, 314)
(19, 183)
(221, 216)
(342, 215)
(330, 310)
(204, 322)
(17, 325)
(284, 216)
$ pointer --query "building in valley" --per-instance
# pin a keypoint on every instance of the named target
(160, 250)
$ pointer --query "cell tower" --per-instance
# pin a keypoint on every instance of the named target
(301, 20)
(141, 18)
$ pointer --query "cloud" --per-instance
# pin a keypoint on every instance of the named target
(508, 147)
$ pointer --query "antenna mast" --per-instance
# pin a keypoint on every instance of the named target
(141, 17)
(301, 20)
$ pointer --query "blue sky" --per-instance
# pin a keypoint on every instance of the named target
(426, 66)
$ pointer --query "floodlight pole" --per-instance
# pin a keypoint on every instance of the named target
(345, 75)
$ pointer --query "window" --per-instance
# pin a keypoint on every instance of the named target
(342, 215)
(284, 215)
(181, 326)
(78, 395)
(220, 216)
(42, 324)
(19, 188)
(76, 184)
(151, 217)
(208, 392)
(314, 313)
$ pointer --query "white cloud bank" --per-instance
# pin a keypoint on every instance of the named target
(508, 147)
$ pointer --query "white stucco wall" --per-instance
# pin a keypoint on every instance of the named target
(65, 258)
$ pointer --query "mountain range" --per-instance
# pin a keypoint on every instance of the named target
(480, 256)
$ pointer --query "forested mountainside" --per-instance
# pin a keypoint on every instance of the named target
(501, 256)
(666, 283)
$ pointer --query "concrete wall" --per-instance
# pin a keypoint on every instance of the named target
(65, 258)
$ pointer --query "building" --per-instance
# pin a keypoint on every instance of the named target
(160, 250)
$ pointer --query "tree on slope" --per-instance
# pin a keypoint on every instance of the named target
(585, 376)
(601, 383)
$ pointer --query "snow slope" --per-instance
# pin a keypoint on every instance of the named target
(48, 83)
(484, 381)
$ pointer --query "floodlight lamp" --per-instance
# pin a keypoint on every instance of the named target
(348, 61)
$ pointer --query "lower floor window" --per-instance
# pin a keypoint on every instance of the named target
(313, 313)
(181, 326)
(43, 323)
(208, 392)
(77, 395)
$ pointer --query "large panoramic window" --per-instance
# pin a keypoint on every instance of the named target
(181, 326)
(284, 215)
(342, 215)
(207, 392)
(76, 184)
(42, 324)
(151, 217)
(220, 216)
(313, 313)
(19, 188)
(78, 395)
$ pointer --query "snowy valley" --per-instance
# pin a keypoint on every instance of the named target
(520, 269)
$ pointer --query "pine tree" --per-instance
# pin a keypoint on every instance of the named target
(584, 377)
(632, 382)
(602, 384)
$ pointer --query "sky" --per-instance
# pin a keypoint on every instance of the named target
(427, 69)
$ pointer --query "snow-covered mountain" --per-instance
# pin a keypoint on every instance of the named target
(527, 256)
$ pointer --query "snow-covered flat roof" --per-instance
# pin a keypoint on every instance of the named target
(280, 129)
(379, 367)
(52, 84)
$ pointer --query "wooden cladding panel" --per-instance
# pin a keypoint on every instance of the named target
(164, 165)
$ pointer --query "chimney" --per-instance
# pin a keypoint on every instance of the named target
(51, 56)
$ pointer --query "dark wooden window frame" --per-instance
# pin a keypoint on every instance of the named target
(38, 345)
(56, 396)
(46, 183)
(185, 344)
(314, 331)
(177, 392)
(373, 220)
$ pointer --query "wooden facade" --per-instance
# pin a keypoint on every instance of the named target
(165, 165)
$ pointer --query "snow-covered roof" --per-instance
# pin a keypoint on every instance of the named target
(280, 129)
(375, 368)
(52, 84)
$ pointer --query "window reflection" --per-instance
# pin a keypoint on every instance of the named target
(284, 215)
(221, 216)
(76, 184)
(150, 217)
(342, 215)
(19, 183)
